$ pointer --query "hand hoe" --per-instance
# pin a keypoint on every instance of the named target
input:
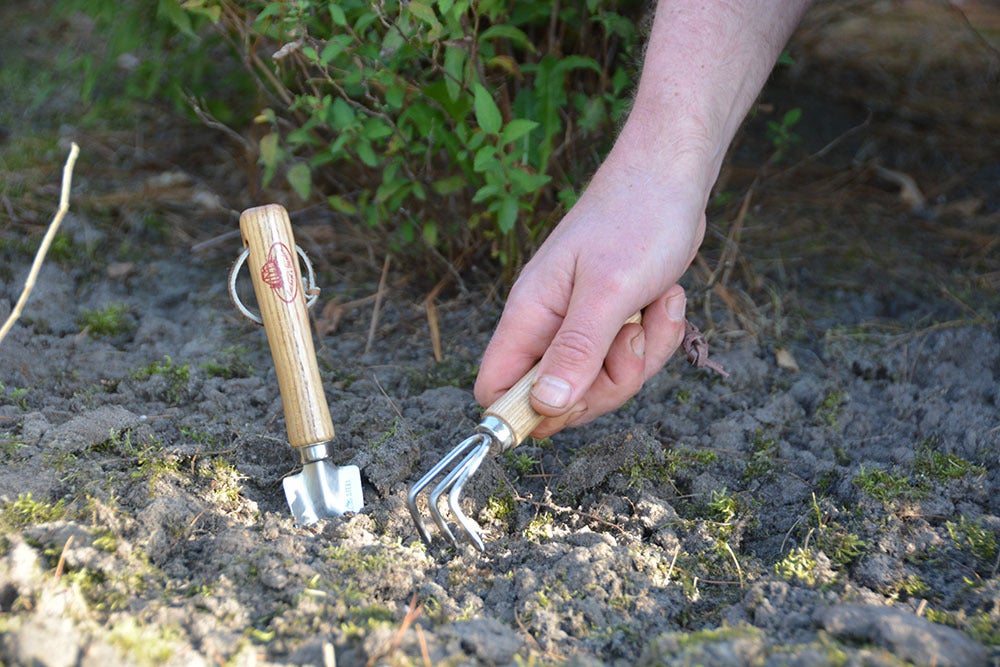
(322, 489)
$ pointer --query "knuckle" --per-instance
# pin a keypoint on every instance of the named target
(574, 345)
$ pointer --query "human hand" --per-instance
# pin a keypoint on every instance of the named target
(622, 248)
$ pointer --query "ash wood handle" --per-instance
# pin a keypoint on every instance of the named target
(514, 407)
(277, 283)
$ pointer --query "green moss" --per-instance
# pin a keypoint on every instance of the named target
(981, 626)
(798, 565)
(144, 645)
(539, 529)
(974, 538)
(763, 456)
(177, 376)
(26, 511)
(111, 320)
(829, 411)
(720, 634)
(939, 466)
(521, 462)
(887, 487)
(839, 544)
(232, 363)
(500, 508)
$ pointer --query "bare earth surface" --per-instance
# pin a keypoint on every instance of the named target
(836, 500)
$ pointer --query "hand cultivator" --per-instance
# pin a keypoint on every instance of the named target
(505, 425)
(321, 489)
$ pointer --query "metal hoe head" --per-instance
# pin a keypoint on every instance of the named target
(474, 449)
(493, 436)
(323, 490)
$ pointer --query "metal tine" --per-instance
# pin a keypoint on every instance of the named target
(435, 497)
(425, 481)
(468, 468)
(461, 472)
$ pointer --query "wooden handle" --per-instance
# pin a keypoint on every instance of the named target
(514, 407)
(277, 282)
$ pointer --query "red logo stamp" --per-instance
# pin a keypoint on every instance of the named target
(278, 272)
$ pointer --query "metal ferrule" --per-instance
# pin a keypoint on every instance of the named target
(502, 436)
(313, 453)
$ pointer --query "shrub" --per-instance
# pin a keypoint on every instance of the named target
(462, 124)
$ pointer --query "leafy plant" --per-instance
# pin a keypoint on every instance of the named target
(454, 123)
(780, 133)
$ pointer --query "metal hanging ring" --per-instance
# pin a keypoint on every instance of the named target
(308, 283)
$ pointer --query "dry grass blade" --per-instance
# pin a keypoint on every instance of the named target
(377, 308)
(61, 565)
(50, 234)
(432, 320)
(412, 614)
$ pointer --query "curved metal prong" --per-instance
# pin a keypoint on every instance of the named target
(474, 458)
(425, 481)
(469, 466)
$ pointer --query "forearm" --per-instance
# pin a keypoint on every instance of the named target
(705, 64)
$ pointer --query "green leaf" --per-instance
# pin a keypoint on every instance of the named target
(300, 178)
(486, 158)
(431, 233)
(342, 115)
(198, 8)
(394, 96)
(337, 14)
(172, 11)
(425, 13)
(487, 112)
(486, 193)
(334, 47)
(269, 150)
(792, 117)
(527, 182)
(516, 129)
(367, 153)
(503, 31)
(376, 128)
(338, 203)
(450, 185)
(454, 69)
(507, 215)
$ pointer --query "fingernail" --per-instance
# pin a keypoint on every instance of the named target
(638, 344)
(675, 307)
(551, 391)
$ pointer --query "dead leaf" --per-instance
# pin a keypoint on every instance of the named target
(785, 360)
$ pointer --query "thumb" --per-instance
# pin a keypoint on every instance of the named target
(574, 359)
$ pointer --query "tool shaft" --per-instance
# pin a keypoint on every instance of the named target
(514, 407)
(277, 281)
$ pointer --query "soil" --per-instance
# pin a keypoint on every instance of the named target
(835, 500)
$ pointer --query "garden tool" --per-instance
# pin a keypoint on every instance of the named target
(321, 489)
(505, 425)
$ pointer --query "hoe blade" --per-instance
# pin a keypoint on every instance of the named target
(323, 490)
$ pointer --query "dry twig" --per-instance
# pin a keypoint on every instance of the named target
(50, 234)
